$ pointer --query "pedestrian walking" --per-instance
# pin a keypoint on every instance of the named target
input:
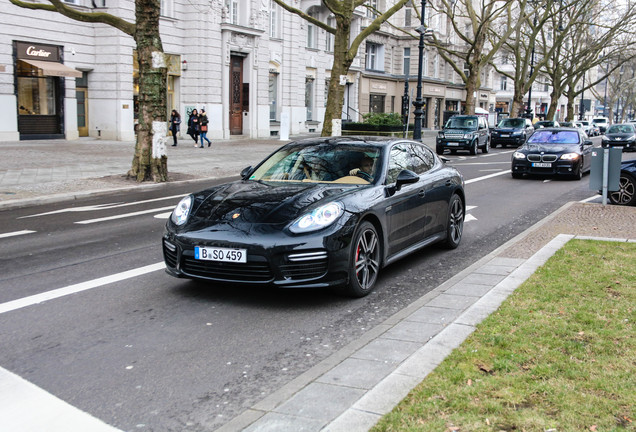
(175, 121)
(193, 126)
(203, 123)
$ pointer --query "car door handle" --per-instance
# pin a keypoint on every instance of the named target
(421, 193)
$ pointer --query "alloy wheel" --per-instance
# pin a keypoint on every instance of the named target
(367, 258)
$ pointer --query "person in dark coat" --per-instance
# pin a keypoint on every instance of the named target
(193, 126)
(175, 121)
(203, 124)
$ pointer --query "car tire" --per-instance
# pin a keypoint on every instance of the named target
(486, 147)
(626, 193)
(578, 174)
(455, 222)
(473, 148)
(364, 260)
(517, 175)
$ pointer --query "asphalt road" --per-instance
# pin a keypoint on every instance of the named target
(144, 351)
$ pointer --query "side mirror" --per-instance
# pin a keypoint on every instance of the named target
(588, 143)
(406, 177)
(246, 172)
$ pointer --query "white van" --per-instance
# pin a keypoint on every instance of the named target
(601, 122)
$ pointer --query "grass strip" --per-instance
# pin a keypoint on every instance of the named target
(558, 355)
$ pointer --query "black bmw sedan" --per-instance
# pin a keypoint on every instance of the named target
(555, 152)
(323, 212)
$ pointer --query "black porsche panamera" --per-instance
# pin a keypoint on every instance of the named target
(322, 212)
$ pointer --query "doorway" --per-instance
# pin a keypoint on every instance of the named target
(236, 95)
(82, 111)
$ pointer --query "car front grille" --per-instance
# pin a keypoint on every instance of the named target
(305, 265)
(454, 136)
(257, 269)
(542, 158)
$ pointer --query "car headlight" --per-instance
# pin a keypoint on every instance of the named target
(182, 211)
(516, 132)
(318, 218)
(440, 135)
(570, 156)
(518, 155)
(468, 136)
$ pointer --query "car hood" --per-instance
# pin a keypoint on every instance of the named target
(262, 202)
(550, 148)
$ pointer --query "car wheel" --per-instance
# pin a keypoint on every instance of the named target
(517, 175)
(578, 174)
(455, 224)
(364, 262)
(486, 147)
(473, 148)
(626, 193)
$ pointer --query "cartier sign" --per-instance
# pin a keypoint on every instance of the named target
(34, 51)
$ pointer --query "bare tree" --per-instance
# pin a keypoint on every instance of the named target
(471, 23)
(150, 161)
(345, 50)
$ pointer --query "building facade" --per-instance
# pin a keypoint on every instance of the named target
(257, 69)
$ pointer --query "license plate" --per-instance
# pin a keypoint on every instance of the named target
(505, 135)
(452, 144)
(220, 254)
(542, 165)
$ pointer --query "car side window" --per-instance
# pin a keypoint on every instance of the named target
(399, 159)
(422, 158)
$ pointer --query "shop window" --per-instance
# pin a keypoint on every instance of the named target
(376, 103)
(36, 94)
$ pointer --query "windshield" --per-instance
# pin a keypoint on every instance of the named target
(324, 163)
(461, 123)
(599, 121)
(554, 137)
(624, 128)
(512, 123)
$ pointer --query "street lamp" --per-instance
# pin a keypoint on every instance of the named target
(582, 107)
(418, 103)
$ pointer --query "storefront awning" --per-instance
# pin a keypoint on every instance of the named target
(54, 68)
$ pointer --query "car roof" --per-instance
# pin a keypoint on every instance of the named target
(352, 140)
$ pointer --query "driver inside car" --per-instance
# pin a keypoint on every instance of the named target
(365, 171)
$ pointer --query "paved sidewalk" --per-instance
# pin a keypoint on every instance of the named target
(353, 388)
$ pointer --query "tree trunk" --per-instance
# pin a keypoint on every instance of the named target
(517, 107)
(150, 161)
(554, 103)
(472, 84)
(341, 63)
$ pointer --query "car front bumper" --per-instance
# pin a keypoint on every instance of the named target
(507, 140)
(558, 168)
(314, 260)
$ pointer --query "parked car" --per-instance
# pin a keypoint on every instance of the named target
(304, 218)
(587, 127)
(555, 152)
(546, 124)
(511, 131)
(602, 123)
(464, 132)
(620, 135)
(626, 194)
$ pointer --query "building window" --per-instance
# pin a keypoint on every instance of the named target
(407, 61)
(273, 95)
(436, 66)
(327, 81)
(331, 22)
(372, 8)
(375, 57)
(504, 83)
(309, 97)
(232, 11)
(376, 103)
(312, 31)
(167, 8)
(274, 20)
(407, 17)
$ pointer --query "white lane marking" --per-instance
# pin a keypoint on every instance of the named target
(163, 215)
(469, 218)
(481, 163)
(592, 198)
(73, 289)
(26, 407)
(487, 176)
(101, 206)
(125, 215)
(16, 233)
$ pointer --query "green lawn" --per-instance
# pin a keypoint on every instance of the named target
(559, 354)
